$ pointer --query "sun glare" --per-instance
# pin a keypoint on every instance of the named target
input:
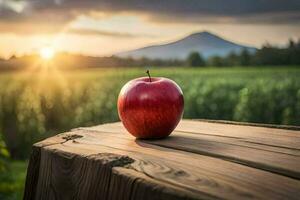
(47, 53)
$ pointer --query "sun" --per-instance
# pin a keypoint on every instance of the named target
(47, 53)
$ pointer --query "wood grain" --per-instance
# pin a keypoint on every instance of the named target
(32, 173)
(200, 160)
(248, 145)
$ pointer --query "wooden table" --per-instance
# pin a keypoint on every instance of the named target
(200, 160)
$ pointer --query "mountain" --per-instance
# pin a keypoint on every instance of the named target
(205, 43)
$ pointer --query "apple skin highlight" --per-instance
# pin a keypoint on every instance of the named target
(150, 108)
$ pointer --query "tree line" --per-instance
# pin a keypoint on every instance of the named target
(267, 55)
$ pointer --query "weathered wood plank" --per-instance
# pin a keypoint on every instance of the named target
(261, 135)
(130, 184)
(32, 173)
(66, 175)
(105, 162)
(280, 126)
(278, 159)
(193, 172)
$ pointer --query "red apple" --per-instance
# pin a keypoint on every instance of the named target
(150, 107)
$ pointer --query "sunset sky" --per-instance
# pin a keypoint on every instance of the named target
(106, 27)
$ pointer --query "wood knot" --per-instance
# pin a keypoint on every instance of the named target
(180, 173)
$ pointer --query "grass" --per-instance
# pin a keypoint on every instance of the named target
(12, 181)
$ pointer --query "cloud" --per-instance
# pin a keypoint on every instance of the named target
(84, 31)
(14, 6)
(58, 13)
(288, 18)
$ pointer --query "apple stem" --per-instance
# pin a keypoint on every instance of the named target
(148, 72)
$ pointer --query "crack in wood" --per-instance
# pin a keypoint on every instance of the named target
(212, 135)
(277, 146)
(68, 137)
(112, 160)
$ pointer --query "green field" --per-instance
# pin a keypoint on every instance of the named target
(35, 105)
(12, 181)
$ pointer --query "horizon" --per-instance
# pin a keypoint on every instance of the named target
(57, 52)
(104, 28)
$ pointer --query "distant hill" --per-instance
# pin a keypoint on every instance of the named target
(205, 43)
